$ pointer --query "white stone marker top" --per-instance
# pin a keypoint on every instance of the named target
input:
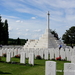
(73, 59)
(50, 68)
(69, 69)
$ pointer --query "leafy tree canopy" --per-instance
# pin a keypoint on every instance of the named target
(4, 34)
(69, 36)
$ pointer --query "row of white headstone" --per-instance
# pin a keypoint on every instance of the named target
(54, 53)
(50, 68)
(22, 58)
(44, 53)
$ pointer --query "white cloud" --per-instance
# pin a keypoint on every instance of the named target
(26, 34)
(33, 17)
(19, 33)
(19, 21)
(27, 30)
(67, 26)
(17, 28)
(37, 30)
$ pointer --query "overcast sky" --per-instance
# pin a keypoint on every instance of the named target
(27, 19)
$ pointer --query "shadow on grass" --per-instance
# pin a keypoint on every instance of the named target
(2, 61)
(39, 64)
(4, 72)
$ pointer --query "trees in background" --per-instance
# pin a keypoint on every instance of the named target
(69, 36)
(4, 34)
(55, 34)
(17, 41)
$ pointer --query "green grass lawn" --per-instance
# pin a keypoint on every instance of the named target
(26, 69)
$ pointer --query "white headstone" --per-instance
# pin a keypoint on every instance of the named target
(0, 52)
(50, 68)
(31, 58)
(66, 51)
(36, 53)
(72, 51)
(68, 55)
(12, 54)
(62, 54)
(41, 53)
(69, 69)
(51, 53)
(15, 52)
(8, 57)
(56, 53)
(73, 59)
(27, 53)
(19, 51)
(46, 54)
(22, 58)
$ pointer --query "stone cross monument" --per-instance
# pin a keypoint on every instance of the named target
(47, 40)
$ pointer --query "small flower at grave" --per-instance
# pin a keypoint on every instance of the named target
(38, 57)
(58, 58)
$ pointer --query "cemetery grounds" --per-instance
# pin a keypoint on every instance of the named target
(15, 68)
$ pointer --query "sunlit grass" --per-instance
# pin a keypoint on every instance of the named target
(26, 69)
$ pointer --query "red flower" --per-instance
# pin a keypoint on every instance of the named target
(58, 58)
